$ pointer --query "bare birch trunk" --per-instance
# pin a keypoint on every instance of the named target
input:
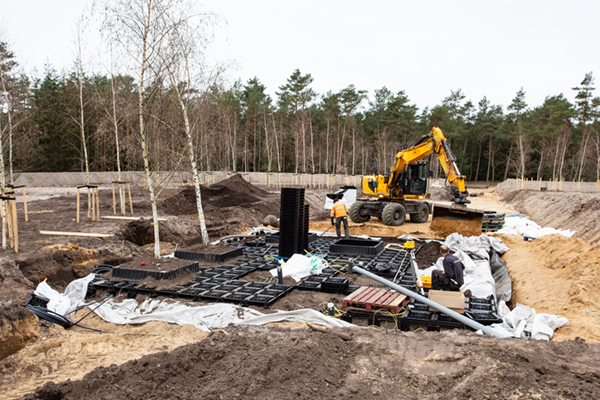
(82, 123)
(2, 169)
(116, 126)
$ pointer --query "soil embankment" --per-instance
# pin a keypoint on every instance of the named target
(579, 212)
(273, 364)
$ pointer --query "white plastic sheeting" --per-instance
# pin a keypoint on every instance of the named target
(523, 322)
(299, 266)
(522, 226)
(68, 301)
(213, 316)
(474, 252)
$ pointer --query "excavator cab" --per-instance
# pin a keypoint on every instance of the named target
(415, 179)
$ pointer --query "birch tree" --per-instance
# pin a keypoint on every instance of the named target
(185, 71)
(144, 30)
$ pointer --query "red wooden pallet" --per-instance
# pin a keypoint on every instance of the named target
(374, 299)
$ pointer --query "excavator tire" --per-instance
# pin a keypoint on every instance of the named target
(394, 214)
(358, 213)
(422, 214)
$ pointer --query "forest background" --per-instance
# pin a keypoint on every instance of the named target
(69, 121)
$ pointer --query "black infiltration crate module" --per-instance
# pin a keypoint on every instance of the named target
(139, 274)
(356, 247)
(208, 257)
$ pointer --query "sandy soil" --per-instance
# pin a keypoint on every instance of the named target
(553, 274)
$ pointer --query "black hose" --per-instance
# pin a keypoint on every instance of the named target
(58, 319)
(102, 269)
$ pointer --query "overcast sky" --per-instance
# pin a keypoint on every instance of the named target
(426, 48)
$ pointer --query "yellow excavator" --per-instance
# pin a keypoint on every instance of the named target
(403, 190)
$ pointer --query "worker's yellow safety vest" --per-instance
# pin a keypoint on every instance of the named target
(339, 210)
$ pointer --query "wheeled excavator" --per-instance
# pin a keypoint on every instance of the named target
(403, 190)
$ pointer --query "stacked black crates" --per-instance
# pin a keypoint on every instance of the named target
(293, 222)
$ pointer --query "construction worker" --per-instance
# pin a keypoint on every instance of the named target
(452, 277)
(340, 213)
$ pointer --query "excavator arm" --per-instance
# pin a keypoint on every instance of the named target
(434, 142)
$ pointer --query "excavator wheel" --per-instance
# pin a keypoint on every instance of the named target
(422, 214)
(394, 214)
(358, 212)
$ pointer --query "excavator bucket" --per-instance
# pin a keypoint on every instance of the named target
(456, 218)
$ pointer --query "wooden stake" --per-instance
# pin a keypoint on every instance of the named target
(77, 205)
(97, 204)
(79, 234)
(130, 202)
(15, 226)
(9, 222)
(118, 217)
(25, 204)
(114, 200)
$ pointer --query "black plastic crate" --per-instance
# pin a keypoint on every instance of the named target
(208, 257)
(309, 285)
(484, 318)
(262, 300)
(356, 246)
(334, 285)
(139, 274)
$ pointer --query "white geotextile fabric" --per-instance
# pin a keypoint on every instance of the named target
(477, 246)
(299, 266)
(522, 226)
(474, 253)
(68, 301)
(213, 316)
(523, 322)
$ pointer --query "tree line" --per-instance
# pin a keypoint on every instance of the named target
(49, 123)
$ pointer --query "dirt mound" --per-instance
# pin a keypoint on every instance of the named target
(575, 211)
(231, 206)
(428, 254)
(270, 363)
(231, 192)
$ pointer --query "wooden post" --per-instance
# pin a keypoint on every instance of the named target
(25, 204)
(15, 226)
(9, 221)
(77, 205)
(92, 194)
(130, 202)
(114, 200)
(97, 204)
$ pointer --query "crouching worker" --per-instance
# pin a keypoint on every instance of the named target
(452, 277)
(339, 212)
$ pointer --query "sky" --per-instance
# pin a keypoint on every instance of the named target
(425, 48)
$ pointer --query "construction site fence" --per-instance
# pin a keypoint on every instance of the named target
(270, 180)
(557, 185)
